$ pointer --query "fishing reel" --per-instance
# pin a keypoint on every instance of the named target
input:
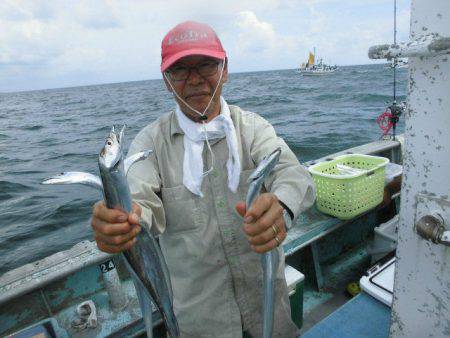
(389, 119)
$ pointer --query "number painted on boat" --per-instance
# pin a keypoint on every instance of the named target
(107, 266)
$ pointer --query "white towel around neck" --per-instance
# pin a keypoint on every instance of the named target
(194, 140)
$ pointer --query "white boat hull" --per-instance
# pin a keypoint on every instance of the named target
(316, 73)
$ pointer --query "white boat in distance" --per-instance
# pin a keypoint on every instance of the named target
(398, 63)
(312, 68)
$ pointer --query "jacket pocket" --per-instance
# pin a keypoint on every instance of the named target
(182, 211)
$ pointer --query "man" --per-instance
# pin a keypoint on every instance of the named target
(189, 188)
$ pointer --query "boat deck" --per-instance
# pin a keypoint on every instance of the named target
(318, 304)
(329, 252)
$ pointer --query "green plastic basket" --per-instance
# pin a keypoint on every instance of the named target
(349, 185)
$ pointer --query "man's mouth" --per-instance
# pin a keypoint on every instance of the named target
(197, 95)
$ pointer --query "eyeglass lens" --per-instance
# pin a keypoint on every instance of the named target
(205, 69)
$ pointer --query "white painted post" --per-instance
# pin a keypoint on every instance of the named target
(421, 306)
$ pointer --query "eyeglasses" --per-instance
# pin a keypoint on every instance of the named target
(182, 72)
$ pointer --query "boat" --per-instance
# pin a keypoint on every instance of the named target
(48, 292)
(74, 293)
(405, 294)
(311, 68)
(398, 63)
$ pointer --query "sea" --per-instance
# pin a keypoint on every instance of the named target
(46, 132)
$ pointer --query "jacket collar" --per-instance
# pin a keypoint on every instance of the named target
(174, 125)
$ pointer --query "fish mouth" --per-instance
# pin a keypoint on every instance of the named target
(111, 152)
(109, 162)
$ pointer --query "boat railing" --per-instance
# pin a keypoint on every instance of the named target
(63, 279)
(36, 275)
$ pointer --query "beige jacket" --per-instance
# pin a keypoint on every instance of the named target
(216, 277)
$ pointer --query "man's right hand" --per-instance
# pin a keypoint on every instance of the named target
(114, 230)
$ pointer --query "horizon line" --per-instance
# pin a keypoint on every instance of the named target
(155, 79)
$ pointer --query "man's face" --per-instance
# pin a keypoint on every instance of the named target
(196, 85)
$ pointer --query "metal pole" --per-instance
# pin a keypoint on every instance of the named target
(395, 43)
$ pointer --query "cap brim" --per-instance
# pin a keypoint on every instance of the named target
(205, 52)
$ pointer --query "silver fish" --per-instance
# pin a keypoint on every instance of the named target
(269, 260)
(144, 260)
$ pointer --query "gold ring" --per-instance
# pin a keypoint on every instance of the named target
(277, 240)
(275, 229)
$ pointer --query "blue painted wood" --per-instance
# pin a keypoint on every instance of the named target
(361, 317)
(317, 267)
(21, 312)
(74, 288)
(312, 224)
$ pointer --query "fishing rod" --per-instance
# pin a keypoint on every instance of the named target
(395, 109)
(391, 116)
(395, 43)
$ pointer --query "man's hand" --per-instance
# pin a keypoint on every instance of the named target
(114, 230)
(263, 223)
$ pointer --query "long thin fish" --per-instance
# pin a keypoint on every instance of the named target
(269, 260)
(144, 260)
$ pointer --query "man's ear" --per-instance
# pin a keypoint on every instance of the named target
(166, 83)
(225, 71)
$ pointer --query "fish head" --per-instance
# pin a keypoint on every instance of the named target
(272, 161)
(111, 153)
(266, 166)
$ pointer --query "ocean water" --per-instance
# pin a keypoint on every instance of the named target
(46, 132)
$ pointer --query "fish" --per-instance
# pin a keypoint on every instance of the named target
(144, 260)
(269, 260)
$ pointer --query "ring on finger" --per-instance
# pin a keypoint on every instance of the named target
(275, 229)
(277, 240)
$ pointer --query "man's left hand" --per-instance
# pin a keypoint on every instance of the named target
(263, 222)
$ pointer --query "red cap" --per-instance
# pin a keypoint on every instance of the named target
(190, 38)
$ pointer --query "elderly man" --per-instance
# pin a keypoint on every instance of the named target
(191, 192)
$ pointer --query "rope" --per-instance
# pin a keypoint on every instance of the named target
(203, 117)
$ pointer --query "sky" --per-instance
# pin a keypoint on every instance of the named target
(54, 44)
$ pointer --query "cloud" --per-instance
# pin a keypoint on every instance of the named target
(57, 43)
(19, 10)
(260, 44)
(27, 43)
(96, 15)
(255, 36)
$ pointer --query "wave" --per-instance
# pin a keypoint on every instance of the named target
(33, 128)
(317, 113)
(4, 196)
(49, 142)
(26, 172)
(7, 186)
(64, 119)
(70, 156)
(264, 101)
(329, 97)
(73, 102)
(68, 213)
(316, 116)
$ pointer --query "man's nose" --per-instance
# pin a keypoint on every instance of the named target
(194, 77)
